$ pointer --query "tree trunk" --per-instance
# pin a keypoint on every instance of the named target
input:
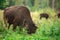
(53, 4)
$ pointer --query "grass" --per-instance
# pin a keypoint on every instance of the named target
(47, 29)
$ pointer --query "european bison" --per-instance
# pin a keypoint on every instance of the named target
(19, 16)
(44, 15)
(58, 15)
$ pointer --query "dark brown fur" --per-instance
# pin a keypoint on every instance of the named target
(18, 16)
(44, 15)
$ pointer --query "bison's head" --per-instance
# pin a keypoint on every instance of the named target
(31, 28)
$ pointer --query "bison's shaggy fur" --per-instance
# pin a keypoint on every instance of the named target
(44, 15)
(18, 16)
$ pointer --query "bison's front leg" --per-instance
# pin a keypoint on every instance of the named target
(40, 17)
(9, 25)
(21, 28)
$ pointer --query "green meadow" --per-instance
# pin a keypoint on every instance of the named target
(48, 29)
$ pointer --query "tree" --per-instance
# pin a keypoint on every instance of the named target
(53, 4)
(11, 2)
(2, 4)
(57, 5)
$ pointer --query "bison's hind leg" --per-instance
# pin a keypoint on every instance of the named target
(6, 22)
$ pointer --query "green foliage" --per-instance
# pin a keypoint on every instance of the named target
(3, 4)
(35, 4)
(2, 1)
(57, 4)
(47, 29)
